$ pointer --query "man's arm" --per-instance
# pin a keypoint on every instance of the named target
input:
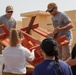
(68, 26)
(71, 62)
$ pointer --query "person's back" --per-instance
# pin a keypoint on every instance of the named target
(15, 56)
(15, 59)
(51, 65)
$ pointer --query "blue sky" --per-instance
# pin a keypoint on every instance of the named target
(22, 6)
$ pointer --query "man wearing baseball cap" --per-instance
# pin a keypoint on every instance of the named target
(51, 6)
(62, 26)
(9, 8)
(7, 20)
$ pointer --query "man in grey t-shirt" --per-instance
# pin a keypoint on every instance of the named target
(62, 26)
(8, 21)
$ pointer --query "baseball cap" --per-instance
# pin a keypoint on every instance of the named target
(9, 8)
(51, 6)
(49, 44)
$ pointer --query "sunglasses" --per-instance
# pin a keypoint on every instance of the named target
(51, 10)
(9, 11)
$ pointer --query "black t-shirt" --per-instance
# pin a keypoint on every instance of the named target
(73, 57)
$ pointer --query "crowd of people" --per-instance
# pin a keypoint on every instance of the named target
(57, 58)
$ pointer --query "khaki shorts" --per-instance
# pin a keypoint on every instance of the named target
(64, 51)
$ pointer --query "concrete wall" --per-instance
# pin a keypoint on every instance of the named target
(19, 24)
